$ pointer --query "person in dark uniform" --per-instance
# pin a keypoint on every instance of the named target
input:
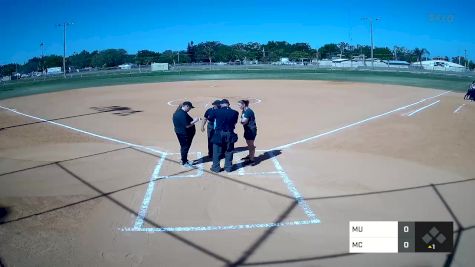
(224, 137)
(248, 121)
(470, 95)
(185, 130)
(210, 128)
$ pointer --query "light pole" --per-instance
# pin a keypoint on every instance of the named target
(370, 19)
(42, 57)
(465, 58)
(65, 24)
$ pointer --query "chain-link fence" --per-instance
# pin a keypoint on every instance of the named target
(196, 67)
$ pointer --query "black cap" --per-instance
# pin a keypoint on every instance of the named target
(216, 102)
(225, 101)
(187, 103)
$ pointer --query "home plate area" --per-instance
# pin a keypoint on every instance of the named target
(182, 199)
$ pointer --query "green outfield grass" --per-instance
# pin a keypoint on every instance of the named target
(437, 81)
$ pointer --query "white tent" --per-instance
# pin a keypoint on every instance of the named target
(440, 65)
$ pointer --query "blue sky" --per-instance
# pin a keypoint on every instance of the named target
(444, 27)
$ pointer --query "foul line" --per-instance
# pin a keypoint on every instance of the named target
(356, 123)
(84, 132)
(148, 194)
(421, 109)
(459, 108)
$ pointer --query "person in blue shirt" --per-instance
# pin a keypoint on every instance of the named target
(185, 130)
(224, 137)
(210, 129)
(248, 121)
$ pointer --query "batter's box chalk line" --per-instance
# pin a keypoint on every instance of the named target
(198, 167)
(139, 221)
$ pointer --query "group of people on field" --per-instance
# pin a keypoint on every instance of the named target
(220, 121)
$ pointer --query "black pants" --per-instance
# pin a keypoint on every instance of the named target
(185, 144)
(470, 95)
(210, 132)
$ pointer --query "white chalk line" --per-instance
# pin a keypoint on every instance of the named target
(85, 132)
(170, 103)
(198, 167)
(176, 102)
(459, 108)
(355, 123)
(293, 190)
(280, 171)
(421, 109)
(148, 194)
(220, 228)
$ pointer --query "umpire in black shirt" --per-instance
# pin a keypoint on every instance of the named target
(185, 129)
(224, 137)
(210, 129)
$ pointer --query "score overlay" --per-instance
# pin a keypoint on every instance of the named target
(395, 236)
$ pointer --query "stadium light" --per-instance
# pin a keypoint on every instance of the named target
(64, 25)
(370, 19)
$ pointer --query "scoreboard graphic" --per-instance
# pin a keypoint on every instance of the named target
(395, 237)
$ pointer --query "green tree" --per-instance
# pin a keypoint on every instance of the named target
(33, 64)
(81, 60)
(419, 54)
(109, 58)
(253, 51)
(191, 51)
(8, 69)
(328, 50)
(145, 57)
(277, 49)
(298, 55)
(342, 46)
(182, 57)
(383, 53)
(168, 56)
(223, 53)
(206, 51)
(238, 51)
(53, 61)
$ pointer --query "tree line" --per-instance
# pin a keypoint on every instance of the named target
(214, 51)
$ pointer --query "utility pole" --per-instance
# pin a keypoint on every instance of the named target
(264, 53)
(64, 25)
(466, 61)
(370, 19)
(42, 57)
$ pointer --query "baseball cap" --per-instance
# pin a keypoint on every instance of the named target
(225, 101)
(216, 102)
(187, 103)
